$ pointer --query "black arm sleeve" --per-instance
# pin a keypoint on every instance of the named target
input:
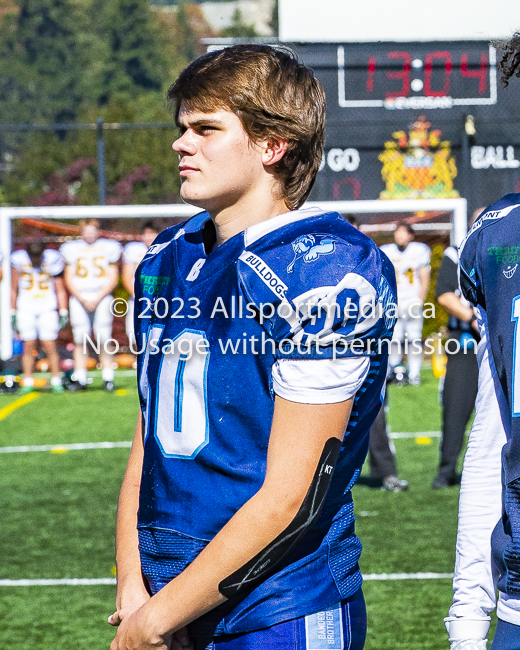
(256, 570)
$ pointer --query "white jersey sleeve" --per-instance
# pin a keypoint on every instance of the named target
(319, 381)
(70, 250)
(20, 259)
(53, 262)
(423, 254)
(134, 252)
(480, 504)
(113, 249)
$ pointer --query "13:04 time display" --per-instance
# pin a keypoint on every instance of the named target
(416, 75)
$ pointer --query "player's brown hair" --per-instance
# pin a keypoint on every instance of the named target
(275, 97)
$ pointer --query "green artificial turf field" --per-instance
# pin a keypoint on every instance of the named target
(58, 515)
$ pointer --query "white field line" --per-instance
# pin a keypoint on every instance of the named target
(95, 373)
(72, 582)
(80, 582)
(407, 576)
(414, 434)
(70, 447)
(79, 446)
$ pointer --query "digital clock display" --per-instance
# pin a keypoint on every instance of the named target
(416, 75)
(397, 114)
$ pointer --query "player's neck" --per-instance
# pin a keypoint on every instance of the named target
(251, 209)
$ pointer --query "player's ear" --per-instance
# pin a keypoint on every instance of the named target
(273, 151)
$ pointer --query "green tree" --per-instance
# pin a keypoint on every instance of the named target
(43, 157)
(128, 51)
(274, 22)
(112, 59)
(184, 30)
(238, 28)
(44, 58)
(186, 43)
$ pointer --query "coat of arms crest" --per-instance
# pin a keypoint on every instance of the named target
(418, 164)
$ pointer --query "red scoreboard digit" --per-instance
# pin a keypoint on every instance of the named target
(379, 74)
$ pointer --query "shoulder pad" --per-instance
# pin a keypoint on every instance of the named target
(19, 259)
(69, 250)
(424, 251)
(112, 249)
(53, 261)
(134, 252)
(452, 254)
(311, 264)
(470, 253)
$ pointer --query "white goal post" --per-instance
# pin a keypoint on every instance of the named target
(457, 228)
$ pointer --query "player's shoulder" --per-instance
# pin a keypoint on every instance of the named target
(282, 231)
(134, 245)
(419, 247)
(305, 249)
(451, 254)
(20, 258)
(492, 235)
(497, 224)
(53, 261)
(110, 247)
(51, 255)
(419, 253)
(71, 249)
(389, 249)
(134, 252)
(392, 252)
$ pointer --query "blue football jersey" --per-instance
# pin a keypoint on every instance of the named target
(490, 279)
(303, 285)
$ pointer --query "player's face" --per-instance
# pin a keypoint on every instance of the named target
(402, 237)
(149, 236)
(90, 233)
(218, 164)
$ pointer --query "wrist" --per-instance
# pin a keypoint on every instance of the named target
(63, 312)
(155, 622)
(467, 627)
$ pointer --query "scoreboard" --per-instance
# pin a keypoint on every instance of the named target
(416, 119)
(417, 76)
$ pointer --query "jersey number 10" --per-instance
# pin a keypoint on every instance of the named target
(177, 407)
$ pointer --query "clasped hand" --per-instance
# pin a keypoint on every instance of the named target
(135, 633)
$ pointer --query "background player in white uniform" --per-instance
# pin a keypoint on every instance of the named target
(412, 269)
(133, 253)
(91, 274)
(37, 292)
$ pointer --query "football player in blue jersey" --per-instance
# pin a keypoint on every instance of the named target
(263, 331)
(488, 553)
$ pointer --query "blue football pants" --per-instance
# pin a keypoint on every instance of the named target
(507, 636)
(340, 627)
